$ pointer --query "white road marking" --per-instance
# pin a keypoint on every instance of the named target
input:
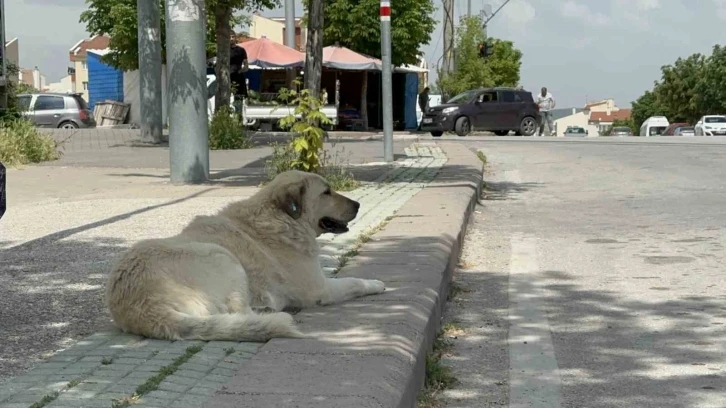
(534, 378)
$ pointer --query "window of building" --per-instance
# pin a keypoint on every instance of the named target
(84, 65)
(85, 85)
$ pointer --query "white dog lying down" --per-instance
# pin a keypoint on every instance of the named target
(258, 253)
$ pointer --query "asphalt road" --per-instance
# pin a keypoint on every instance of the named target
(594, 276)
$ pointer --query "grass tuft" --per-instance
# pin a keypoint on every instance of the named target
(152, 383)
(21, 143)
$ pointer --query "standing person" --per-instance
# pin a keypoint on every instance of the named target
(238, 66)
(423, 100)
(423, 103)
(546, 103)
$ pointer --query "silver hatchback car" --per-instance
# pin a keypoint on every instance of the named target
(57, 110)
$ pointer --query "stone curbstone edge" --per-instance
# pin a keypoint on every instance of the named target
(372, 351)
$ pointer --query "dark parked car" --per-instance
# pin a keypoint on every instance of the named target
(497, 110)
(57, 110)
(679, 129)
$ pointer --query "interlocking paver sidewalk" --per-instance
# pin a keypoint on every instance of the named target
(108, 368)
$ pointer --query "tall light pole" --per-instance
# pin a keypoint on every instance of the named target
(386, 79)
(290, 35)
(187, 67)
(487, 19)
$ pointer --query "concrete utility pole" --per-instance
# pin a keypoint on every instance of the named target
(290, 35)
(290, 23)
(448, 36)
(150, 70)
(386, 79)
(3, 60)
(188, 119)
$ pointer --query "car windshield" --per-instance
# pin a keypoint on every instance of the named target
(685, 129)
(575, 130)
(621, 129)
(657, 130)
(462, 97)
(716, 119)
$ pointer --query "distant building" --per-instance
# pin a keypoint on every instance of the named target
(65, 85)
(79, 61)
(32, 77)
(274, 29)
(12, 55)
(595, 117)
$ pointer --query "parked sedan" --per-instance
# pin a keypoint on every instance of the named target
(711, 125)
(673, 128)
(57, 110)
(576, 131)
(622, 131)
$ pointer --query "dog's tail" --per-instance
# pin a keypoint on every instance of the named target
(236, 326)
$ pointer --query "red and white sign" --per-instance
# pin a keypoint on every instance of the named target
(385, 11)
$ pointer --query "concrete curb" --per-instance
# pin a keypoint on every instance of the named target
(371, 352)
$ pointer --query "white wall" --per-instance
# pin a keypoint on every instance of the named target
(264, 27)
(63, 86)
(132, 97)
(578, 119)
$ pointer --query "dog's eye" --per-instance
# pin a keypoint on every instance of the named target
(327, 192)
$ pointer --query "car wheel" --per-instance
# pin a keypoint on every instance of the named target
(501, 132)
(528, 126)
(68, 125)
(437, 133)
(462, 126)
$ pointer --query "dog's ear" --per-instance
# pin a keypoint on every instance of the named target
(291, 200)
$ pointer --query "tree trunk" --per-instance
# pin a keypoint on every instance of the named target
(223, 16)
(364, 100)
(314, 47)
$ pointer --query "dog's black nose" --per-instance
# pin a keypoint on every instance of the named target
(357, 205)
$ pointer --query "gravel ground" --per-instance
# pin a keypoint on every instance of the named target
(479, 358)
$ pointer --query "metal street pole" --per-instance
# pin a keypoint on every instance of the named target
(386, 79)
(290, 23)
(187, 90)
(290, 36)
(150, 70)
(468, 9)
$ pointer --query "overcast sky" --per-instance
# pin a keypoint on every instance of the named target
(579, 49)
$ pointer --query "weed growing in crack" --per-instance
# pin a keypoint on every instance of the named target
(153, 383)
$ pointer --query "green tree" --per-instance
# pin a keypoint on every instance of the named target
(501, 68)
(677, 92)
(688, 89)
(644, 107)
(355, 24)
(712, 87)
(118, 20)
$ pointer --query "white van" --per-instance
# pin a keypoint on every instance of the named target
(654, 126)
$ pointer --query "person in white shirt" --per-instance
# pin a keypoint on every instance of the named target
(546, 103)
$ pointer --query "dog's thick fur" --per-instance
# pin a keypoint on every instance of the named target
(206, 282)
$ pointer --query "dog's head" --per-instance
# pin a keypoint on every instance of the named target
(307, 197)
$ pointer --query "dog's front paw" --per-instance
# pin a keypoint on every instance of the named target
(374, 287)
